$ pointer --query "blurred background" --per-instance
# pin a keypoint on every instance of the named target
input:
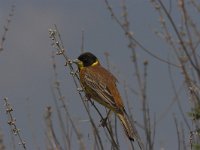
(27, 74)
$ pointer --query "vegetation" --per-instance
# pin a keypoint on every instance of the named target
(181, 35)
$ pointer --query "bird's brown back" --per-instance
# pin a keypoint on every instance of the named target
(103, 76)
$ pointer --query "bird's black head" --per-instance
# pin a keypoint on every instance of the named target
(87, 59)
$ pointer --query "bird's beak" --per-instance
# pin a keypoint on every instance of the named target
(76, 61)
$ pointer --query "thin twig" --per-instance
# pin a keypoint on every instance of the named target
(130, 36)
(179, 37)
(6, 27)
(50, 130)
(177, 98)
(12, 123)
(57, 43)
(2, 146)
(82, 41)
(177, 132)
(68, 116)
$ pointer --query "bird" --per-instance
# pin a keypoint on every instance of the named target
(100, 85)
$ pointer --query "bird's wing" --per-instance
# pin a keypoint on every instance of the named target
(94, 81)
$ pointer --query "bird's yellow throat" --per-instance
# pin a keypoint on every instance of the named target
(81, 65)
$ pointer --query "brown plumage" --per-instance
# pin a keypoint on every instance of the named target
(100, 85)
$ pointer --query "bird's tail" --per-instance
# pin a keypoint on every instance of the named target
(123, 117)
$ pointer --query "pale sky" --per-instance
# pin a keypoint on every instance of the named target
(26, 65)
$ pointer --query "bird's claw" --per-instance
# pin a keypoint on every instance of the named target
(80, 89)
(103, 122)
(87, 97)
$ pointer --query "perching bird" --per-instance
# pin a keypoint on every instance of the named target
(100, 85)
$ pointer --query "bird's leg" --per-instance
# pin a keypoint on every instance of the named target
(104, 120)
(87, 97)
